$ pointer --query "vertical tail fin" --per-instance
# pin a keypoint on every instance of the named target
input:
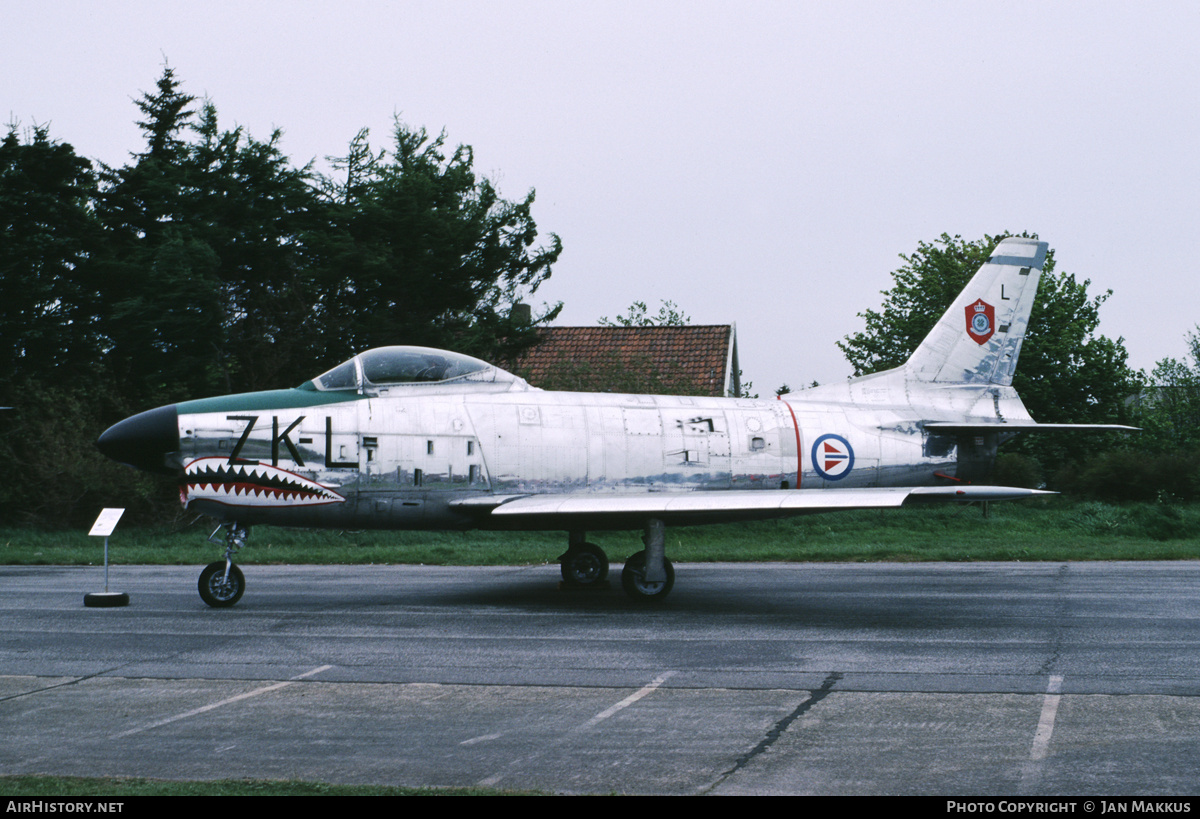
(978, 339)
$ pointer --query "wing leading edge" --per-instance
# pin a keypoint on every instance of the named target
(731, 504)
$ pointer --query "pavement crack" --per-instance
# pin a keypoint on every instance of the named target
(1061, 614)
(65, 683)
(778, 730)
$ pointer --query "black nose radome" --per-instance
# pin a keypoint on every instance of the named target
(144, 439)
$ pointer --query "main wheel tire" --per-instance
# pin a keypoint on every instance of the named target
(216, 590)
(633, 580)
(584, 565)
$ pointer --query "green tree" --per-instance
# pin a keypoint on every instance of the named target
(924, 287)
(52, 374)
(254, 212)
(46, 233)
(1163, 462)
(1168, 409)
(157, 293)
(669, 315)
(202, 276)
(420, 250)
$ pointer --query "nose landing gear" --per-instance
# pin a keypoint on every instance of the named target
(222, 583)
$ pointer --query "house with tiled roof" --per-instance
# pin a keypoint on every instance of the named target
(692, 359)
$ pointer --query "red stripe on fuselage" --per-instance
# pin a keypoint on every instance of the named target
(799, 450)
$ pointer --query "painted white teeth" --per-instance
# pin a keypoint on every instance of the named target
(253, 485)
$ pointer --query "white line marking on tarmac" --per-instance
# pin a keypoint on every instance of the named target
(477, 740)
(628, 701)
(603, 715)
(1041, 739)
(205, 708)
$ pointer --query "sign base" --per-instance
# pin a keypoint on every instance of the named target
(105, 600)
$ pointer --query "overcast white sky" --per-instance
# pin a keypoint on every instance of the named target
(763, 163)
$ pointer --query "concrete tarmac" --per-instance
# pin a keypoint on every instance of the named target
(980, 679)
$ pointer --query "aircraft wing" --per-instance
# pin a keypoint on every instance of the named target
(729, 504)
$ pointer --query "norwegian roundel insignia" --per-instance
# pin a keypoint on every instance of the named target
(832, 457)
(981, 321)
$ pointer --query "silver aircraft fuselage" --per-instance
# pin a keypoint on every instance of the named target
(437, 455)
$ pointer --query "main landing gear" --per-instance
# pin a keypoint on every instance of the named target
(222, 583)
(647, 577)
(583, 564)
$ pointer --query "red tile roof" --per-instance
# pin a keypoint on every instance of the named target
(696, 359)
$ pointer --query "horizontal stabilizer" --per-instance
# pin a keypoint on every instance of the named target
(1023, 426)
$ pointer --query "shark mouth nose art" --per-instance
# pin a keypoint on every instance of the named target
(250, 484)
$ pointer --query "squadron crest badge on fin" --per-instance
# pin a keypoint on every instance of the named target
(981, 321)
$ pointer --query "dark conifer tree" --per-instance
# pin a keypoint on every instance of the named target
(422, 251)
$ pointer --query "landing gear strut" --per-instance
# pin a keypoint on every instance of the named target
(648, 576)
(222, 583)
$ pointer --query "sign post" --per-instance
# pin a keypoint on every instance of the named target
(103, 527)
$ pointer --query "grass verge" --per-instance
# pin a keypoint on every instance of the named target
(1054, 529)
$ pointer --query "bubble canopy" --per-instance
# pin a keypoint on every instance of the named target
(397, 366)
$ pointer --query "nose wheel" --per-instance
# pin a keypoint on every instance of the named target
(222, 583)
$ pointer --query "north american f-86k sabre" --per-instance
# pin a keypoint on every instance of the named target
(417, 438)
